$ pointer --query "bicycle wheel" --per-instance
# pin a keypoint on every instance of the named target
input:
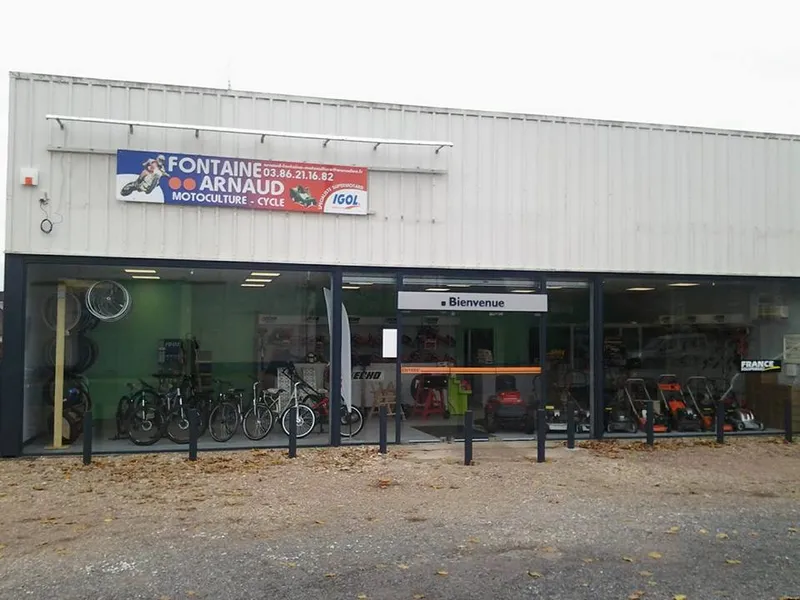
(258, 422)
(223, 422)
(352, 422)
(108, 301)
(72, 311)
(145, 423)
(306, 420)
(178, 425)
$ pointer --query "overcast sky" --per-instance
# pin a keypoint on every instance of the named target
(729, 64)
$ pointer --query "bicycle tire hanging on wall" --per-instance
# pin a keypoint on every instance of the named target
(108, 301)
(73, 311)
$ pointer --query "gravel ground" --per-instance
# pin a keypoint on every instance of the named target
(607, 521)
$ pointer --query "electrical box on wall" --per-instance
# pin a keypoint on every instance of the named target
(29, 177)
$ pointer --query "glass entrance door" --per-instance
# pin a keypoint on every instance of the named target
(465, 347)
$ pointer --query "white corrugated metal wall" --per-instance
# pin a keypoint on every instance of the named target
(515, 192)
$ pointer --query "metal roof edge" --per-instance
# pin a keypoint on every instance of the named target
(466, 112)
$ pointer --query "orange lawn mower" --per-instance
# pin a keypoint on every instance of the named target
(701, 395)
(682, 416)
(639, 398)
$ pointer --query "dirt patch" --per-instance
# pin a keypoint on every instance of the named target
(56, 504)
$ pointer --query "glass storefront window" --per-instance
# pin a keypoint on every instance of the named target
(370, 302)
(680, 344)
(141, 346)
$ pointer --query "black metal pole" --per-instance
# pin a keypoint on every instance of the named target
(194, 430)
(720, 419)
(650, 425)
(87, 437)
(787, 418)
(468, 437)
(293, 432)
(541, 434)
(382, 428)
(571, 425)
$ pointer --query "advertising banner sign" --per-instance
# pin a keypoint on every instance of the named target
(189, 179)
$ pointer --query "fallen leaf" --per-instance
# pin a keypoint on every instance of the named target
(191, 593)
(733, 561)
(419, 596)
(645, 573)
(403, 567)
(588, 560)
(442, 573)
(722, 536)
(319, 522)
(384, 483)
(792, 529)
(703, 531)
(291, 565)
(362, 597)
(673, 530)
(651, 583)
(380, 566)
(2, 547)
(655, 555)
(107, 520)
(330, 575)
(637, 595)
(473, 540)
(534, 574)
(679, 597)
(627, 559)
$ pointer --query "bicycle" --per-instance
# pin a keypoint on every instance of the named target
(149, 411)
(257, 421)
(319, 410)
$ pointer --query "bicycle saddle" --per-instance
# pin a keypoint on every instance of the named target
(275, 391)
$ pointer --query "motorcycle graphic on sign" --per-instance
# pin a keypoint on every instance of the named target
(149, 178)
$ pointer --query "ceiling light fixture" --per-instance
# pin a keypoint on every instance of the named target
(351, 287)
(258, 274)
(640, 289)
(251, 280)
(521, 291)
(683, 284)
(141, 271)
(253, 285)
(145, 277)
(437, 290)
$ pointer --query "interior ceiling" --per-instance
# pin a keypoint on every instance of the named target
(41, 273)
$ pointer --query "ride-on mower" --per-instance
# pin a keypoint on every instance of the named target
(507, 408)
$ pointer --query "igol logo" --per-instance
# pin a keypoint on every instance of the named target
(346, 200)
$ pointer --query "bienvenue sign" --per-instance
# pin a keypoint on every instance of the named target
(536, 303)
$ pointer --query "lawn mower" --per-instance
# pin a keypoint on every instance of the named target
(682, 416)
(620, 415)
(739, 416)
(507, 408)
(701, 397)
(639, 399)
(555, 415)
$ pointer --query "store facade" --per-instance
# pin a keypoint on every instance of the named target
(173, 248)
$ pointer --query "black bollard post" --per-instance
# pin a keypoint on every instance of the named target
(720, 420)
(541, 434)
(468, 423)
(650, 425)
(293, 432)
(194, 432)
(571, 425)
(787, 418)
(382, 414)
(87, 437)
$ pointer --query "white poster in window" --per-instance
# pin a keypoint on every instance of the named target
(389, 343)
